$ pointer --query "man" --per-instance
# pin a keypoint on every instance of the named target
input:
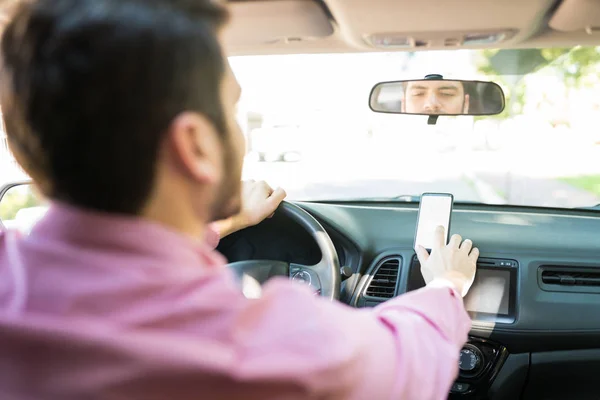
(437, 97)
(122, 111)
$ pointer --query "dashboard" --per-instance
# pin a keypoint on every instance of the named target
(535, 304)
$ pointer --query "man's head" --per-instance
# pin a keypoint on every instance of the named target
(435, 97)
(124, 106)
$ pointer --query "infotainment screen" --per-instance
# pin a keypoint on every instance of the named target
(490, 292)
(492, 296)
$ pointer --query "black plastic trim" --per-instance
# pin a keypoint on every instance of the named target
(541, 341)
(511, 378)
(564, 375)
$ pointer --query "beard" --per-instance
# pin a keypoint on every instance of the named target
(228, 201)
(228, 198)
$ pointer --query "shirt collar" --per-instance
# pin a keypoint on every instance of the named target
(107, 232)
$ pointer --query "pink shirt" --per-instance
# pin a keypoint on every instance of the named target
(104, 307)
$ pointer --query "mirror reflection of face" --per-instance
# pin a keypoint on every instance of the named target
(435, 97)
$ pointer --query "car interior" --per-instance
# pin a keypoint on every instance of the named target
(536, 335)
(535, 303)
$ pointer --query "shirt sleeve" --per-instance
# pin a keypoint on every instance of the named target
(406, 348)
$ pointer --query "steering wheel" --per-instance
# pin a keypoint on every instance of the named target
(324, 277)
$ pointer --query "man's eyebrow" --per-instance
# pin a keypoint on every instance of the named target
(448, 88)
(423, 87)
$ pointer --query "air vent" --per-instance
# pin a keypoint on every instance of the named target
(563, 278)
(570, 277)
(385, 279)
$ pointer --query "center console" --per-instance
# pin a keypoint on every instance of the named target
(492, 298)
(479, 363)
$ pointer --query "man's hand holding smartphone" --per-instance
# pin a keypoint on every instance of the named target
(452, 265)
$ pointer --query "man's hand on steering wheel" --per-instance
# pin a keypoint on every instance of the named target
(259, 201)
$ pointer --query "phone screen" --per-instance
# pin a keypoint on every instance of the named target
(435, 210)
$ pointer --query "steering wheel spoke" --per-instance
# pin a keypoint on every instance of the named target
(307, 275)
(324, 277)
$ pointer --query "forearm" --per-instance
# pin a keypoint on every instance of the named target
(219, 229)
(406, 348)
(430, 327)
(228, 226)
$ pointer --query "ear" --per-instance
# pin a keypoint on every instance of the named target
(196, 147)
(466, 104)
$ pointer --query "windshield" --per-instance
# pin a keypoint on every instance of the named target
(309, 128)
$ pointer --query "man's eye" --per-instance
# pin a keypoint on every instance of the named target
(417, 94)
(448, 94)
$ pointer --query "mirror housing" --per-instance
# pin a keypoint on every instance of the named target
(435, 96)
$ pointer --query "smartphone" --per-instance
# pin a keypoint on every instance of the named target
(435, 209)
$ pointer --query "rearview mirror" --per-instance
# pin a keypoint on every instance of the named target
(437, 97)
(21, 206)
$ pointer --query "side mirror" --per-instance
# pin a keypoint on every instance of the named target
(21, 206)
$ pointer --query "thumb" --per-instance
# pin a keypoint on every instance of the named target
(422, 254)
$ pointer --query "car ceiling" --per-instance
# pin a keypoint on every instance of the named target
(327, 26)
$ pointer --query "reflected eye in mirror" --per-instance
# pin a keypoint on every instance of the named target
(437, 97)
(21, 206)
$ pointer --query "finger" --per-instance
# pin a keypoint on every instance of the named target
(467, 245)
(422, 254)
(474, 255)
(276, 198)
(439, 237)
(455, 241)
(266, 187)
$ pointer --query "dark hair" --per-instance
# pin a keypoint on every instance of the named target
(90, 86)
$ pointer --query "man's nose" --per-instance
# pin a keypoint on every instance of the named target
(432, 103)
